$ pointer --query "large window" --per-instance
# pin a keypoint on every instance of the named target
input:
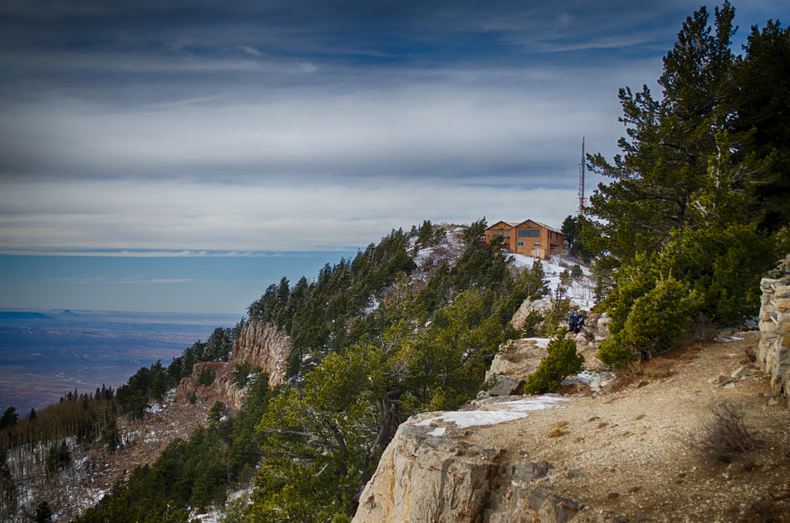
(529, 233)
(501, 234)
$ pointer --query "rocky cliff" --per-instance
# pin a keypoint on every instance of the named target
(261, 344)
(429, 473)
(622, 454)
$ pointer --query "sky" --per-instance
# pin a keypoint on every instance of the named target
(242, 141)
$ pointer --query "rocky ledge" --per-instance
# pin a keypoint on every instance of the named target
(622, 454)
(429, 473)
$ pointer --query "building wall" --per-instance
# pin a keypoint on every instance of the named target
(528, 238)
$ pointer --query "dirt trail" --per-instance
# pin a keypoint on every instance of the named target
(626, 451)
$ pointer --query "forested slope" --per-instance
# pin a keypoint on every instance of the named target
(370, 347)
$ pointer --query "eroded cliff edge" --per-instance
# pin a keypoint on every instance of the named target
(621, 454)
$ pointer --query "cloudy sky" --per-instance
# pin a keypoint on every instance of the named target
(267, 138)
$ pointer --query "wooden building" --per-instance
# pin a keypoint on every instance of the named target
(528, 237)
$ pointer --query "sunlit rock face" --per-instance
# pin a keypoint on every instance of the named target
(261, 344)
(429, 473)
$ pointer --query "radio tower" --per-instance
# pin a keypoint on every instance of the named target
(581, 181)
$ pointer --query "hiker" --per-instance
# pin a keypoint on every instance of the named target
(579, 323)
(573, 320)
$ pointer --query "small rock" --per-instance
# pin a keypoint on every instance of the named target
(576, 473)
(602, 424)
(641, 416)
(634, 490)
(613, 495)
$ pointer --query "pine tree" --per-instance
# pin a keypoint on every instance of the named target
(665, 157)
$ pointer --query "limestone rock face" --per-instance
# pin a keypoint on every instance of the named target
(427, 476)
(261, 344)
(527, 307)
(513, 364)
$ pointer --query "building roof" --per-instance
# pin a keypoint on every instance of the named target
(499, 224)
(543, 225)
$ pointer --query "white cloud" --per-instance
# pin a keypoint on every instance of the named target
(51, 215)
(434, 123)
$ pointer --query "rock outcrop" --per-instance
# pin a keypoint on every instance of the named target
(513, 364)
(773, 350)
(261, 344)
(527, 308)
(429, 473)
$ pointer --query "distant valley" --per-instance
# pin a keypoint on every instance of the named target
(46, 353)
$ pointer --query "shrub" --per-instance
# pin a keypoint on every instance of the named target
(240, 373)
(561, 361)
(726, 438)
(206, 376)
(652, 322)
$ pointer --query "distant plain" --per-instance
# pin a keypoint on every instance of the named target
(44, 354)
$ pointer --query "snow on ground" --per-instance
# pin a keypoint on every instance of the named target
(542, 343)
(374, 304)
(537, 403)
(581, 293)
(517, 409)
(474, 418)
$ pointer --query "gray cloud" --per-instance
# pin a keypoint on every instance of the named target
(244, 125)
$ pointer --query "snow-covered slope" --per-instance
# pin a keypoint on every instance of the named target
(581, 292)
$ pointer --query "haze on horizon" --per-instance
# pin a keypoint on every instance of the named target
(181, 156)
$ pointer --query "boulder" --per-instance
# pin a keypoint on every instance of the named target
(429, 475)
(513, 364)
(527, 307)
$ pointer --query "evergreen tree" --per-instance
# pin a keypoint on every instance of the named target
(685, 199)
(9, 418)
(665, 157)
(43, 513)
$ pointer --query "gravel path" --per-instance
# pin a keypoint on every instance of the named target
(627, 451)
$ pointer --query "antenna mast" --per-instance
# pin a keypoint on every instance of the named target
(581, 181)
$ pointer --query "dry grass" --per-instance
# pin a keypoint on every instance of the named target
(726, 438)
(702, 329)
(636, 372)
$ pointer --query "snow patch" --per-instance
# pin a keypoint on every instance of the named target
(438, 431)
(474, 418)
(542, 343)
(155, 408)
(729, 339)
(537, 403)
(581, 293)
(373, 304)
